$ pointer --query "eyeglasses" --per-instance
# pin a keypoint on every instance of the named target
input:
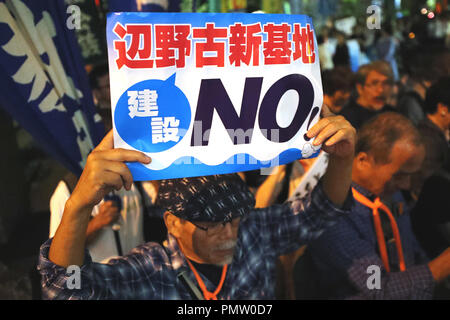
(215, 228)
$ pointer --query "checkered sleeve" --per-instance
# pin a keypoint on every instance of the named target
(55, 279)
(416, 283)
(297, 223)
(127, 277)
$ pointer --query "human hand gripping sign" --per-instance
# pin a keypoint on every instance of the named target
(105, 171)
(338, 138)
(336, 134)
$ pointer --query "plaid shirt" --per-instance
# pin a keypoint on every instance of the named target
(149, 273)
(342, 255)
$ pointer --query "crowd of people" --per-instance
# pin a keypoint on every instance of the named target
(382, 203)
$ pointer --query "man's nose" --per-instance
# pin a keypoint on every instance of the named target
(227, 232)
(381, 89)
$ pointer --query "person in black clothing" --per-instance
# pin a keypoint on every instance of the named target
(341, 56)
(430, 217)
(411, 102)
(374, 83)
(99, 83)
(434, 129)
(430, 220)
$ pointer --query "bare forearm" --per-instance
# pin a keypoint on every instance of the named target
(69, 241)
(337, 179)
(92, 230)
(105, 170)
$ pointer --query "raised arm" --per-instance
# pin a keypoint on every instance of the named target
(105, 170)
(338, 138)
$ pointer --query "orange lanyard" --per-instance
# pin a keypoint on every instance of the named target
(209, 295)
(377, 204)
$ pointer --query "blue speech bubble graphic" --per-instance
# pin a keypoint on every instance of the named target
(152, 115)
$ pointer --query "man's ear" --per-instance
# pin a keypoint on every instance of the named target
(173, 224)
(362, 161)
(359, 89)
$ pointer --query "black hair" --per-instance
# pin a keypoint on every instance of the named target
(320, 39)
(339, 78)
(97, 72)
(439, 92)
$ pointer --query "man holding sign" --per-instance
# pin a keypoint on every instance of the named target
(218, 246)
(244, 249)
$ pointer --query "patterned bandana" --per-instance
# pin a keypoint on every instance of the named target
(209, 198)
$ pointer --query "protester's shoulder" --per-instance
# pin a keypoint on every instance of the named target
(263, 215)
(359, 215)
(258, 213)
(149, 248)
(345, 228)
(150, 253)
(348, 231)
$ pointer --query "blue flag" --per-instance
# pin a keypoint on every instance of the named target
(43, 83)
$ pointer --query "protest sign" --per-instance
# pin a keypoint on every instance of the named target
(213, 93)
